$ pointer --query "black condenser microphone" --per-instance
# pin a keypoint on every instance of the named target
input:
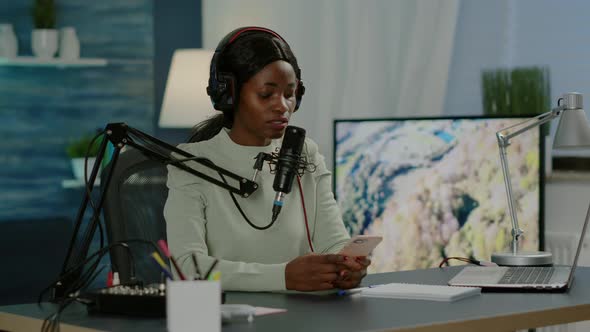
(287, 166)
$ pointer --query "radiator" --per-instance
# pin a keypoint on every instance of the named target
(563, 247)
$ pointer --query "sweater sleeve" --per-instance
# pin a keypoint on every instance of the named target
(329, 234)
(186, 226)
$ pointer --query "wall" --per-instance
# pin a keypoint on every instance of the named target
(506, 33)
(43, 108)
(555, 33)
(359, 59)
(481, 37)
(177, 26)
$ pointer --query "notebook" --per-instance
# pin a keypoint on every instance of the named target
(524, 278)
(420, 292)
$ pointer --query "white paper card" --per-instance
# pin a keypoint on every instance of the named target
(420, 292)
(193, 306)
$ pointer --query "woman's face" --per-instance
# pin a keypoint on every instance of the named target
(266, 102)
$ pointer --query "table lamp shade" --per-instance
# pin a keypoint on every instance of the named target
(186, 102)
(573, 130)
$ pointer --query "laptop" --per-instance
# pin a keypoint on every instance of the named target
(525, 278)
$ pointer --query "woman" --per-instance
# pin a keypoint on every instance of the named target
(256, 83)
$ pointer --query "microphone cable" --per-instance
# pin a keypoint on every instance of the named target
(304, 213)
(206, 160)
(233, 197)
(468, 260)
(261, 228)
(88, 189)
(310, 167)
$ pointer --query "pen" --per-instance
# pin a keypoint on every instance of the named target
(206, 277)
(164, 246)
(161, 264)
(215, 276)
(344, 292)
(198, 276)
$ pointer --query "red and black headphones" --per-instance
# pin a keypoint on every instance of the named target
(222, 85)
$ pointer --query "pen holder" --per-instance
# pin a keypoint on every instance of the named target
(192, 305)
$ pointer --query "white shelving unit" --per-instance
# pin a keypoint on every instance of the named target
(571, 176)
(31, 61)
(76, 183)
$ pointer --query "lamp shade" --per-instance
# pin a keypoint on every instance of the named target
(186, 102)
(573, 130)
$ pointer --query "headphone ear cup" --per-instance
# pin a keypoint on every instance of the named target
(223, 96)
(299, 94)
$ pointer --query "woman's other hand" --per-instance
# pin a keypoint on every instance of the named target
(351, 278)
(313, 272)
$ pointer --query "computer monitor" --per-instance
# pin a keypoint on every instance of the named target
(434, 188)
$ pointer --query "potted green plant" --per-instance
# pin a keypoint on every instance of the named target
(77, 151)
(44, 36)
(517, 91)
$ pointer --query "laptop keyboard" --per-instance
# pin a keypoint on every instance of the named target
(527, 275)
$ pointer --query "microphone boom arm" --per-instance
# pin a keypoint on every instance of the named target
(120, 135)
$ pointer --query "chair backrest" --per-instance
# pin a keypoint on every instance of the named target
(133, 209)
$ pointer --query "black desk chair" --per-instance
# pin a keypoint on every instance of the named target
(133, 209)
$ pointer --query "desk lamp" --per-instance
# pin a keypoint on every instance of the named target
(573, 131)
(186, 102)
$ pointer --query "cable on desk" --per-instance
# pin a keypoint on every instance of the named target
(52, 322)
(463, 259)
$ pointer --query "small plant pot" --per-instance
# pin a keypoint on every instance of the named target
(78, 167)
(44, 43)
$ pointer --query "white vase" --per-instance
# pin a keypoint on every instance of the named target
(69, 45)
(8, 41)
(44, 43)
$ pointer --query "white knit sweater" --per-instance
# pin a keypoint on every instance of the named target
(202, 218)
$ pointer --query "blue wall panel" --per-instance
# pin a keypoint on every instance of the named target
(42, 109)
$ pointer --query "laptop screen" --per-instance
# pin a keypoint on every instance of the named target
(434, 188)
(580, 241)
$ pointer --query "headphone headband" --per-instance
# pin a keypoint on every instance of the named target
(246, 29)
(222, 86)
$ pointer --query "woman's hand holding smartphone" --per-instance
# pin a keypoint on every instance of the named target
(360, 245)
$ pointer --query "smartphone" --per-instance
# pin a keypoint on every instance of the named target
(361, 245)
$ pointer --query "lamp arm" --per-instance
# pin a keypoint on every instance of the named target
(516, 231)
(503, 136)
(119, 134)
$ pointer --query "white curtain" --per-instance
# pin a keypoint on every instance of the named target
(359, 59)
